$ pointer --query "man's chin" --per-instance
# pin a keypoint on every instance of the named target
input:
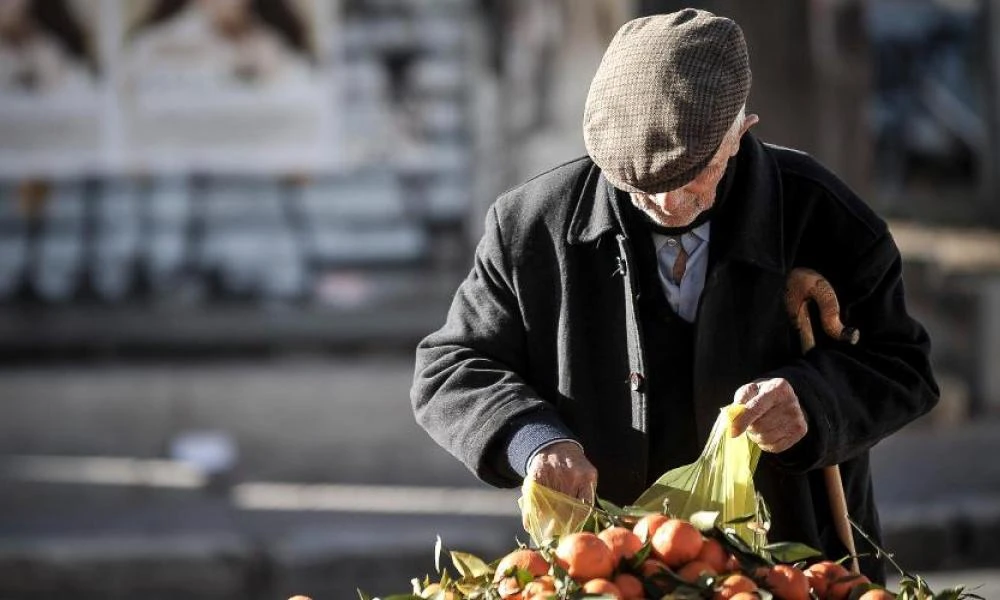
(675, 221)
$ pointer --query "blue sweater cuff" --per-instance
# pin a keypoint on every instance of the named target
(529, 434)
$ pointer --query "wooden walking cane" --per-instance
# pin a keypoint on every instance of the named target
(804, 285)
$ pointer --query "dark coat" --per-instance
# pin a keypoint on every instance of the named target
(542, 324)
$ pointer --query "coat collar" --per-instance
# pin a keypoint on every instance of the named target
(749, 229)
(593, 215)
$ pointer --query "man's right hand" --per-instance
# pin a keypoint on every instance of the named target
(564, 467)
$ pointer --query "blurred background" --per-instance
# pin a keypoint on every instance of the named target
(225, 224)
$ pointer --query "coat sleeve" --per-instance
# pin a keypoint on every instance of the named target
(469, 381)
(853, 396)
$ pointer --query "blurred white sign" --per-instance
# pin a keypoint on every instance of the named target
(153, 86)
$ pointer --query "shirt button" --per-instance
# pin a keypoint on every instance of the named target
(636, 381)
(672, 242)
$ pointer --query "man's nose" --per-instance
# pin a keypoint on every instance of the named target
(674, 195)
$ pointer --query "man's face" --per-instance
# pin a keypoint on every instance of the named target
(680, 207)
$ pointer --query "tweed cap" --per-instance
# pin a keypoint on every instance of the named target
(668, 89)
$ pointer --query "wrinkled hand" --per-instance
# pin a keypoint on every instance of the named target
(773, 418)
(564, 467)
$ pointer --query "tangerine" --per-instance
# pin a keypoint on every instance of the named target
(525, 559)
(677, 542)
(630, 586)
(840, 589)
(621, 541)
(788, 583)
(655, 572)
(695, 569)
(732, 565)
(714, 554)
(733, 585)
(602, 586)
(822, 573)
(509, 588)
(585, 556)
(877, 595)
(648, 525)
(651, 567)
(543, 585)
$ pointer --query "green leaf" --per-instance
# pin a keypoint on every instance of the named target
(741, 520)
(859, 590)
(610, 508)
(437, 554)
(791, 552)
(641, 556)
(403, 597)
(637, 511)
(524, 577)
(469, 565)
(705, 520)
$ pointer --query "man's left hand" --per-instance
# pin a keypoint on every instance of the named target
(773, 418)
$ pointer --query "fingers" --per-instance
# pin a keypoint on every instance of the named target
(773, 418)
(564, 468)
(747, 395)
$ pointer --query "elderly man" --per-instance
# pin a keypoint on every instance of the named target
(619, 300)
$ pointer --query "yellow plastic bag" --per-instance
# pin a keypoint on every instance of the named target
(721, 480)
(547, 514)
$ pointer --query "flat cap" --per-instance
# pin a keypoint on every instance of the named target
(667, 91)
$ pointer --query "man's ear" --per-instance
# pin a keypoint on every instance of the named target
(748, 122)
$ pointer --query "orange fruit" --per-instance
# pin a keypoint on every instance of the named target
(656, 572)
(648, 525)
(630, 587)
(733, 585)
(745, 596)
(694, 569)
(714, 554)
(621, 541)
(787, 583)
(542, 585)
(509, 588)
(677, 542)
(585, 556)
(822, 573)
(651, 567)
(877, 595)
(602, 586)
(732, 565)
(840, 588)
(531, 561)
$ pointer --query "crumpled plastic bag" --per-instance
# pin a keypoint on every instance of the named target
(720, 480)
(548, 514)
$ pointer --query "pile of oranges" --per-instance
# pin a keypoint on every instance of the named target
(661, 557)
